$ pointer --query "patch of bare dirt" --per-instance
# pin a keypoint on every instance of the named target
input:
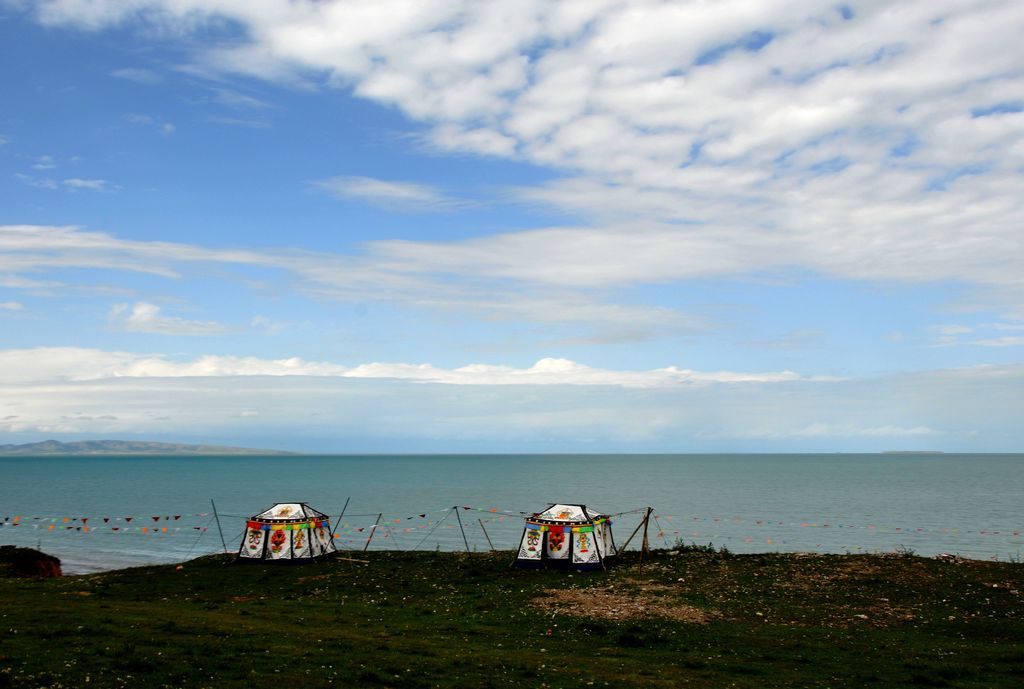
(880, 615)
(816, 579)
(609, 604)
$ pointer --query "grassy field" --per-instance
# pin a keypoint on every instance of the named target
(692, 618)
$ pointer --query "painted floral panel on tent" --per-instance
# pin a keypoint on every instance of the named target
(280, 544)
(558, 542)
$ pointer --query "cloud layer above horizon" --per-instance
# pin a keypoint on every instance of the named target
(553, 406)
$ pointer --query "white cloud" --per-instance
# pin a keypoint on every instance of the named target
(138, 75)
(237, 100)
(76, 364)
(240, 122)
(11, 306)
(36, 182)
(26, 248)
(44, 163)
(269, 325)
(865, 147)
(165, 128)
(144, 317)
(952, 329)
(490, 287)
(1000, 342)
(968, 409)
(76, 183)
(827, 430)
(409, 196)
(138, 118)
(15, 282)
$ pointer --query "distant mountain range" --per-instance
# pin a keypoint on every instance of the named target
(126, 447)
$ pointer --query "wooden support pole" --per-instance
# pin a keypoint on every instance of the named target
(647, 520)
(373, 531)
(217, 517)
(485, 534)
(646, 545)
(463, 530)
(629, 540)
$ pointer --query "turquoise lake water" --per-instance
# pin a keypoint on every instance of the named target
(971, 505)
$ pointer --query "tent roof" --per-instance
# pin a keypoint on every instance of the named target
(560, 513)
(289, 512)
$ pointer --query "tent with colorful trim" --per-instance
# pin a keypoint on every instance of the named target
(566, 536)
(287, 532)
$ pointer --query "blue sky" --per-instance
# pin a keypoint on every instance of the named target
(530, 226)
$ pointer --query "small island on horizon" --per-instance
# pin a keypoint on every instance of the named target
(126, 447)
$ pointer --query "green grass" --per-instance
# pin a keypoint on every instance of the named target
(457, 620)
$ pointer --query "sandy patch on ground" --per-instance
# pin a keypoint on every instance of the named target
(608, 603)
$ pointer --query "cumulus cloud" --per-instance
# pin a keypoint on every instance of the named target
(77, 364)
(143, 317)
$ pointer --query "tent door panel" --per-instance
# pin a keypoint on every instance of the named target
(585, 550)
(300, 543)
(532, 545)
(252, 544)
(558, 543)
(280, 544)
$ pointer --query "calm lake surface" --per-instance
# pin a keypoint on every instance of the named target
(972, 505)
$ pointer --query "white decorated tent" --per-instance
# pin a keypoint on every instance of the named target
(566, 536)
(287, 532)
